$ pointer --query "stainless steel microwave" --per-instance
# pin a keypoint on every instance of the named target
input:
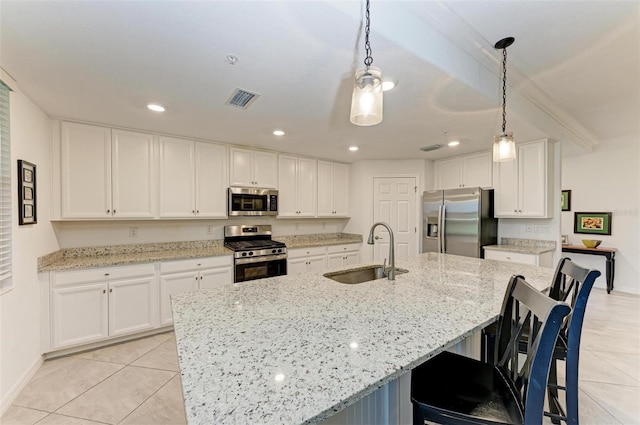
(252, 201)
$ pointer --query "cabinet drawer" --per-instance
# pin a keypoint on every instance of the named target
(195, 264)
(305, 252)
(335, 249)
(101, 274)
(513, 257)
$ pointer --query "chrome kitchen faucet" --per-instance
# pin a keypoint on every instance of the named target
(392, 259)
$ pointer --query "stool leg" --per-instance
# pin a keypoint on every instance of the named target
(552, 391)
(572, 387)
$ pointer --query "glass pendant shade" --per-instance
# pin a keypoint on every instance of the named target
(366, 102)
(504, 148)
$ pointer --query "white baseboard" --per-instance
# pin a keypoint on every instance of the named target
(15, 390)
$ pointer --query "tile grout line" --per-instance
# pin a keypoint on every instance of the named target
(145, 400)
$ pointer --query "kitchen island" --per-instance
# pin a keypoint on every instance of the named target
(298, 349)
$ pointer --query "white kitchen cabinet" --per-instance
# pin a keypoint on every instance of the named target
(251, 168)
(189, 275)
(106, 173)
(543, 260)
(343, 255)
(79, 314)
(333, 189)
(473, 170)
(302, 260)
(193, 179)
(523, 187)
(297, 189)
(96, 304)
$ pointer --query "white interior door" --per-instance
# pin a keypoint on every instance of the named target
(394, 201)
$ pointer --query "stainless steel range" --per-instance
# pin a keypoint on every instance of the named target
(255, 255)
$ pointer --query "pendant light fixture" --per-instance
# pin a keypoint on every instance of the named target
(366, 101)
(504, 147)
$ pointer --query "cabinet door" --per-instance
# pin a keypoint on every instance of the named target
(133, 174)
(351, 258)
(316, 264)
(532, 175)
(325, 189)
(335, 261)
(241, 171)
(79, 314)
(173, 284)
(85, 165)
(132, 305)
(177, 191)
(211, 180)
(340, 190)
(287, 187)
(505, 180)
(214, 278)
(306, 187)
(296, 265)
(477, 170)
(449, 173)
(265, 169)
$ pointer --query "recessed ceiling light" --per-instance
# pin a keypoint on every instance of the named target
(353, 148)
(278, 132)
(231, 59)
(388, 85)
(155, 107)
(453, 143)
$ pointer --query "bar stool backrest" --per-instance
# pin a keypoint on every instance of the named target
(524, 307)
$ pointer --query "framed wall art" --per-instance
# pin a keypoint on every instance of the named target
(598, 223)
(566, 200)
(27, 213)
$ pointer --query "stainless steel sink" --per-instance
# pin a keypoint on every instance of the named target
(361, 274)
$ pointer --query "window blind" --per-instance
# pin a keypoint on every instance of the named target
(5, 190)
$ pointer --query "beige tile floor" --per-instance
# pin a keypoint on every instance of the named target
(138, 382)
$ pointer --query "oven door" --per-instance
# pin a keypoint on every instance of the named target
(260, 267)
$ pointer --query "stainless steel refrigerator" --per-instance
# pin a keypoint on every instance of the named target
(458, 221)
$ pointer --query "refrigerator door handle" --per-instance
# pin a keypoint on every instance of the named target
(442, 230)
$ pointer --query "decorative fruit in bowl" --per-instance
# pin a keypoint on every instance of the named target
(591, 243)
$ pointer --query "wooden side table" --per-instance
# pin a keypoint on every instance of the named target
(608, 253)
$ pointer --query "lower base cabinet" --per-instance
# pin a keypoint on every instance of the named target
(189, 275)
(90, 305)
(542, 260)
(343, 255)
(306, 260)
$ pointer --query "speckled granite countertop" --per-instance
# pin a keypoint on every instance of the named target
(297, 349)
(523, 246)
(115, 255)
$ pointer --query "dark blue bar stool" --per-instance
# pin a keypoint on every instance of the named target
(453, 389)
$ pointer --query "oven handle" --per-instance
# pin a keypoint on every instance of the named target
(261, 259)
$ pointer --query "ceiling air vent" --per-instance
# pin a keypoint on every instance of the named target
(242, 99)
(431, 148)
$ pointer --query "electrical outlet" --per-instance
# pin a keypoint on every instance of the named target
(544, 229)
(528, 228)
(208, 230)
(537, 229)
(133, 232)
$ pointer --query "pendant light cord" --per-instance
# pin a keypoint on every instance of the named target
(504, 90)
(367, 47)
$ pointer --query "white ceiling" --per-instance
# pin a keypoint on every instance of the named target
(574, 70)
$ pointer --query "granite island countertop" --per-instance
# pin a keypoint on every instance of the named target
(297, 349)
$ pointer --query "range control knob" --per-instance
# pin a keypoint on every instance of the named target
(280, 250)
(244, 254)
(250, 252)
(273, 251)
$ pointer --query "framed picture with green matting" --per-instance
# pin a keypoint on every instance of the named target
(594, 223)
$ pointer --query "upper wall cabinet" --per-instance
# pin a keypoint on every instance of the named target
(193, 179)
(523, 188)
(253, 168)
(106, 173)
(297, 179)
(473, 170)
(333, 189)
